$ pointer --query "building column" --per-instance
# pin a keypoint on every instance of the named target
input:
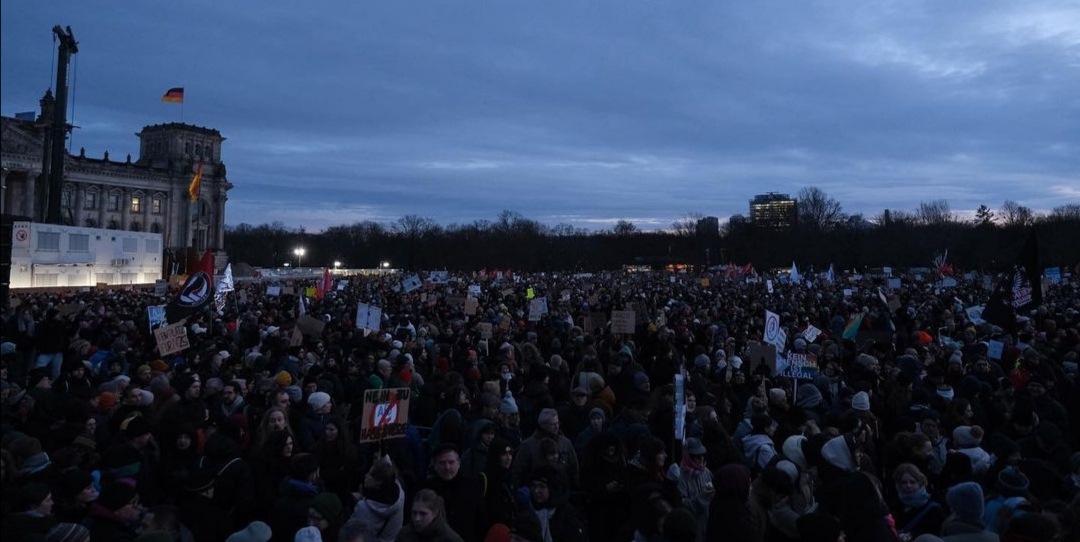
(167, 230)
(103, 200)
(3, 190)
(125, 209)
(31, 189)
(80, 202)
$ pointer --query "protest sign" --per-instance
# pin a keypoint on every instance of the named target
(802, 366)
(975, 314)
(411, 284)
(811, 333)
(386, 414)
(847, 292)
(1054, 274)
(342, 284)
(288, 290)
(471, 304)
(368, 317)
(172, 338)
(155, 314)
(296, 338)
(623, 322)
(455, 301)
(995, 349)
(486, 331)
(161, 287)
(894, 284)
(759, 353)
(680, 407)
(769, 285)
(887, 271)
(439, 277)
(474, 290)
(774, 334)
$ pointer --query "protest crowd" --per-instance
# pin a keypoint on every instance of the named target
(545, 408)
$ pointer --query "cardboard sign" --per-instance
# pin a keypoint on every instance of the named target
(704, 283)
(894, 284)
(471, 304)
(623, 322)
(161, 287)
(759, 353)
(172, 339)
(309, 325)
(386, 414)
(288, 290)
(296, 338)
(486, 331)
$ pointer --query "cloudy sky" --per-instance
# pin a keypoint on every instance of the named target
(579, 112)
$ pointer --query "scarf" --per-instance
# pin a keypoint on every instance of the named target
(917, 499)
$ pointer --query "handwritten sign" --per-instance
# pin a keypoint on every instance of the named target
(623, 322)
(386, 414)
(171, 339)
(485, 330)
(161, 287)
(471, 305)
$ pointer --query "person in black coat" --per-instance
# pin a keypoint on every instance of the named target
(499, 499)
(547, 499)
(290, 511)
(604, 480)
(464, 495)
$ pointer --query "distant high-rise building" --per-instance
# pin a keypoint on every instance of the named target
(708, 226)
(773, 210)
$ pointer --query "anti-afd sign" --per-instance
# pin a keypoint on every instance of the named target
(386, 413)
(172, 338)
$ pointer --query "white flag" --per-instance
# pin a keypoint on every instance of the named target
(795, 278)
(225, 285)
(302, 306)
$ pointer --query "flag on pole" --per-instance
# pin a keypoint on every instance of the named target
(196, 184)
(795, 278)
(225, 285)
(302, 308)
(324, 286)
(1019, 290)
(830, 275)
(197, 292)
(174, 95)
(852, 328)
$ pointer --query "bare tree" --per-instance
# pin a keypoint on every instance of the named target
(415, 226)
(934, 213)
(624, 227)
(687, 224)
(1014, 214)
(1066, 212)
(817, 210)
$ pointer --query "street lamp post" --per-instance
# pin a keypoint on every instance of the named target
(299, 256)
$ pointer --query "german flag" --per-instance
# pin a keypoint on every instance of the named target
(174, 95)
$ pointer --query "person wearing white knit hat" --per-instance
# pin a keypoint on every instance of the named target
(861, 402)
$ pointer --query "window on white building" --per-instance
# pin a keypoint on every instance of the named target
(155, 206)
(90, 200)
(79, 242)
(153, 246)
(136, 204)
(48, 240)
(131, 244)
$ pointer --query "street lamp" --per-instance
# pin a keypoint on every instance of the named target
(299, 256)
(385, 265)
(337, 264)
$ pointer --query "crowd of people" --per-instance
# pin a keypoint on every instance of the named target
(927, 424)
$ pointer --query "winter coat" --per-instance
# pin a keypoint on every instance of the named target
(530, 456)
(464, 498)
(437, 531)
(290, 512)
(563, 522)
(758, 451)
(381, 519)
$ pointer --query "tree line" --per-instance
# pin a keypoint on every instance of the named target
(823, 234)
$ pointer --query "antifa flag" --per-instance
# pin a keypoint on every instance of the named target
(1020, 290)
(197, 292)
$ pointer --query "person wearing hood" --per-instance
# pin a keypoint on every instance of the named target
(696, 484)
(290, 510)
(758, 447)
(529, 455)
(863, 513)
(838, 464)
(597, 421)
(500, 501)
(428, 522)
(559, 520)
(481, 434)
(966, 521)
(381, 508)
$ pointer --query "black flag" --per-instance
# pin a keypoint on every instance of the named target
(197, 291)
(1020, 290)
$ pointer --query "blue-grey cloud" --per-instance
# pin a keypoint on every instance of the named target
(581, 113)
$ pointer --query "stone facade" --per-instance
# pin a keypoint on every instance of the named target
(148, 194)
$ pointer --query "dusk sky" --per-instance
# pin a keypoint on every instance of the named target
(578, 112)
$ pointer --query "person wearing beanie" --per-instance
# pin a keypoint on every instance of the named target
(530, 455)
(32, 517)
(115, 513)
(758, 447)
(325, 515)
(315, 419)
(558, 519)
(860, 402)
(107, 401)
(1009, 500)
(695, 483)
(965, 500)
(74, 495)
(967, 439)
(283, 379)
(509, 419)
(256, 531)
(308, 534)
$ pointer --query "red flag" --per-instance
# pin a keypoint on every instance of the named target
(197, 292)
(324, 286)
